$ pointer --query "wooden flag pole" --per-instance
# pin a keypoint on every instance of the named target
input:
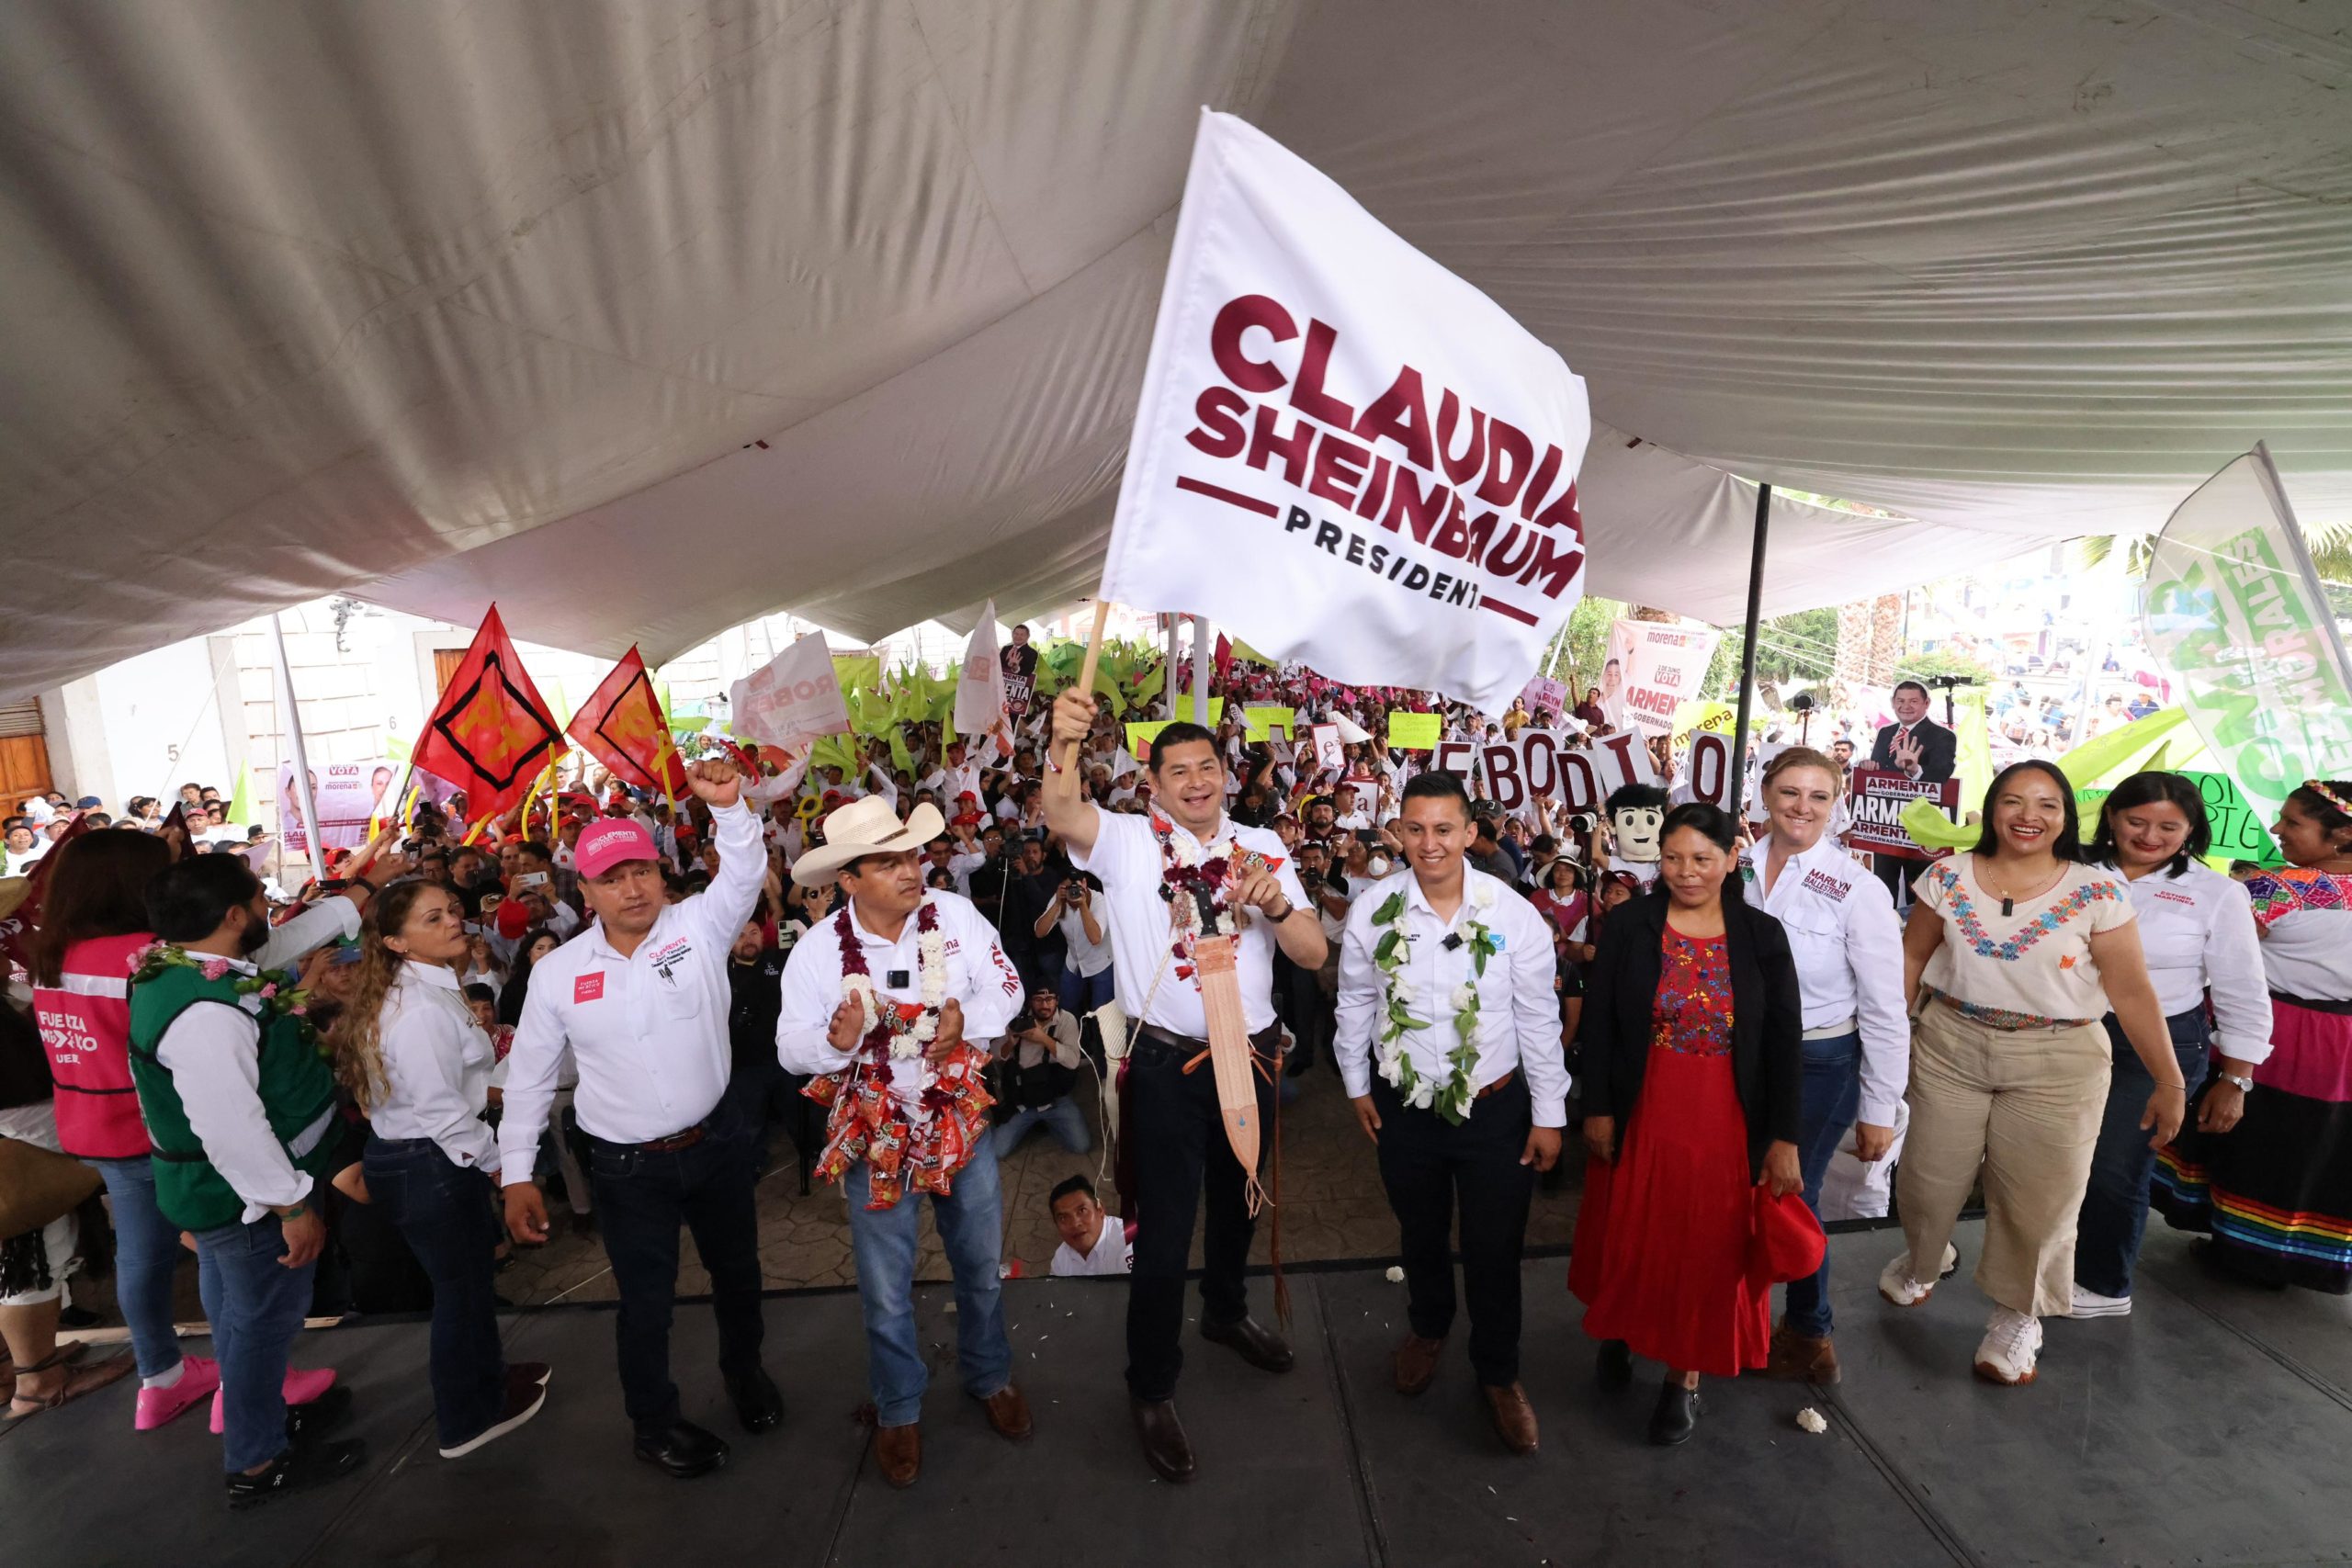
(1066, 781)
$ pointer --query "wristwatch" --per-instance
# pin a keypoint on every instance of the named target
(1289, 910)
(2243, 1084)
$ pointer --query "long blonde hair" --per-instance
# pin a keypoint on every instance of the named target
(357, 1035)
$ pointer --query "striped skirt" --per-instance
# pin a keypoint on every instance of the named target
(2276, 1191)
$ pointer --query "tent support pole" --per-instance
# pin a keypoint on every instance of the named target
(292, 720)
(1747, 649)
(1168, 683)
(1202, 650)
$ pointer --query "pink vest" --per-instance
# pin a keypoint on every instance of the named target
(85, 1023)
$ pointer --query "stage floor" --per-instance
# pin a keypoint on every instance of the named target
(2209, 1427)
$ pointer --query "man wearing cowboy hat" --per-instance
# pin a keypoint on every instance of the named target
(879, 1000)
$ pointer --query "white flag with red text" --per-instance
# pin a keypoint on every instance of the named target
(1344, 452)
(794, 698)
(979, 689)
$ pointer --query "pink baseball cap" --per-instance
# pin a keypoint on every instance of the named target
(611, 842)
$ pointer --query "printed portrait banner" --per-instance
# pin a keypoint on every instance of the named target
(1878, 800)
(1652, 668)
(2233, 610)
(1349, 455)
(796, 696)
(345, 795)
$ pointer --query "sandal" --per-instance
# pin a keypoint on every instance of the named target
(79, 1380)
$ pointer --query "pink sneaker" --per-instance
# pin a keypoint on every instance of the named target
(200, 1375)
(301, 1387)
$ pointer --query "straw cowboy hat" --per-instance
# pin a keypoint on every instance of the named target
(867, 827)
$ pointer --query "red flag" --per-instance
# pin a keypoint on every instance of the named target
(493, 732)
(621, 725)
(15, 931)
(1224, 659)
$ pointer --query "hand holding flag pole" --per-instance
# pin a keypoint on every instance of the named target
(1066, 781)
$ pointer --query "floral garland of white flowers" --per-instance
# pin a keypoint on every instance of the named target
(1453, 1098)
(907, 1039)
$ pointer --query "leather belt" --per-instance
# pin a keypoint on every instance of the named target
(1267, 1044)
(670, 1144)
(1499, 1084)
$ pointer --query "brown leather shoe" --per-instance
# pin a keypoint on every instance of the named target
(899, 1451)
(1416, 1362)
(1801, 1357)
(1252, 1341)
(1008, 1411)
(1165, 1447)
(1514, 1418)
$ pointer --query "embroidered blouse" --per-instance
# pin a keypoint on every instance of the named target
(1692, 1012)
(2031, 968)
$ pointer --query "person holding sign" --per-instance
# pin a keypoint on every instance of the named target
(1848, 950)
(2277, 1193)
(1167, 877)
(2198, 929)
(1449, 1043)
(2018, 950)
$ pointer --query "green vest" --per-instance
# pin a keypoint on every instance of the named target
(297, 1087)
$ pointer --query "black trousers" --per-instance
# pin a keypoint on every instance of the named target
(1433, 1170)
(642, 1198)
(1176, 1133)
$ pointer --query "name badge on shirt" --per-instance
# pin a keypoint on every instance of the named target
(1828, 886)
(588, 988)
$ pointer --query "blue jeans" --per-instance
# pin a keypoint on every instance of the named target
(443, 1211)
(1081, 994)
(256, 1306)
(2115, 1205)
(146, 1251)
(1833, 1096)
(971, 1229)
(1063, 1116)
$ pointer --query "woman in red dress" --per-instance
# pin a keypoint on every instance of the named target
(1692, 1043)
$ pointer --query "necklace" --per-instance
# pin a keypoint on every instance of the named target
(2008, 902)
(899, 1031)
(1194, 888)
(1392, 954)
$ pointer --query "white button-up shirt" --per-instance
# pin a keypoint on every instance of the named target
(438, 1062)
(649, 1031)
(210, 1051)
(1848, 946)
(2197, 931)
(1126, 857)
(980, 978)
(1518, 1008)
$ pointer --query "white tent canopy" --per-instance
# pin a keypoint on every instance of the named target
(438, 303)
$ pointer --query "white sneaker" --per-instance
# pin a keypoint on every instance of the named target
(2090, 1304)
(1896, 1283)
(2011, 1346)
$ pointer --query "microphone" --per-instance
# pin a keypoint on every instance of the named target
(1453, 941)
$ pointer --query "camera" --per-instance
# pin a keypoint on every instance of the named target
(1801, 703)
(1946, 683)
